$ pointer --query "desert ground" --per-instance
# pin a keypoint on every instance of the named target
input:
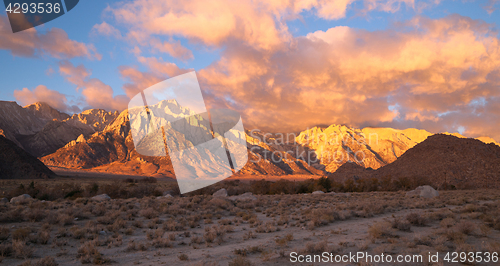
(265, 230)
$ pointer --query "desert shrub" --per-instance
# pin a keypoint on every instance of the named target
(99, 210)
(380, 230)
(5, 250)
(88, 253)
(162, 243)
(14, 215)
(47, 261)
(148, 213)
(196, 240)
(209, 236)
(266, 228)
(65, 219)
(315, 248)
(36, 215)
(283, 241)
(240, 261)
(183, 257)
(21, 250)
(173, 225)
(447, 222)
(4, 233)
(21, 233)
(416, 219)
(467, 227)
(261, 187)
(77, 232)
(401, 225)
(43, 237)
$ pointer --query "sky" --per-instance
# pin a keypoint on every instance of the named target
(284, 65)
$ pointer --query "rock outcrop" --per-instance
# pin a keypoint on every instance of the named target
(427, 192)
(20, 199)
(222, 193)
(98, 119)
(102, 197)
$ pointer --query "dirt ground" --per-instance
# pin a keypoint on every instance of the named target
(203, 230)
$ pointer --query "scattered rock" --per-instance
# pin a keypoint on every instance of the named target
(168, 192)
(244, 197)
(4, 200)
(221, 193)
(427, 192)
(165, 197)
(318, 192)
(102, 197)
(20, 199)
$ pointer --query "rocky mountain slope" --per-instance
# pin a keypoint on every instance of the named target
(441, 160)
(41, 130)
(367, 147)
(15, 163)
(445, 159)
(98, 119)
(112, 150)
(45, 112)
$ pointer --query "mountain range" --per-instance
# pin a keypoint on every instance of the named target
(101, 141)
(41, 130)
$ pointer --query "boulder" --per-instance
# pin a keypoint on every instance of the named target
(318, 192)
(427, 192)
(243, 197)
(102, 197)
(20, 199)
(168, 192)
(221, 193)
(4, 200)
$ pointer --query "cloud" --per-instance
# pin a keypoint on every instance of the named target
(259, 24)
(31, 43)
(491, 6)
(96, 93)
(106, 30)
(43, 94)
(438, 74)
(173, 48)
(158, 70)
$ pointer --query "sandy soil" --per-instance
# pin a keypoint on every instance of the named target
(217, 231)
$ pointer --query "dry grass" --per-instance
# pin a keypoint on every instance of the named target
(164, 228)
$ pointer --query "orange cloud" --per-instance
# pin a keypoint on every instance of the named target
(106, 30)
(54, 42)
(260, 24)
(96, 93)
(437, 74)
(158, 70)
